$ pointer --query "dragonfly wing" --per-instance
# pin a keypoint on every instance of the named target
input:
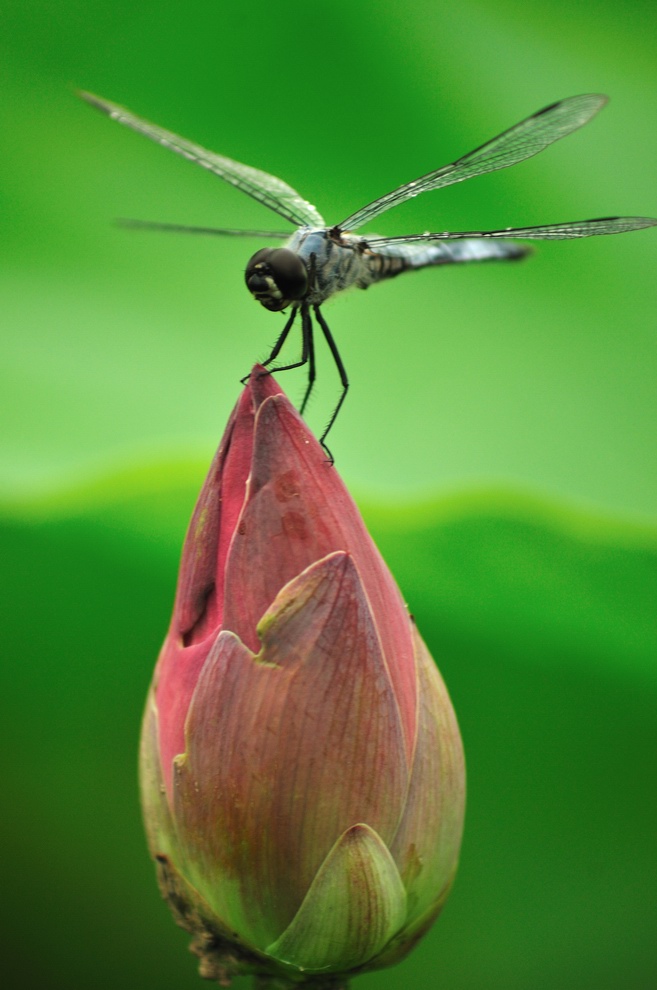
(526, 139)
(267, 189)
(544, 232)
(183, 228)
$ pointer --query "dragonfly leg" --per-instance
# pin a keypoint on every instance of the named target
(277, 349)
(343, 379)
(307, 331)
(306, 342)
(281, 340)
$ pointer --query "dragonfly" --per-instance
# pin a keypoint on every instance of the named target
(318, 261)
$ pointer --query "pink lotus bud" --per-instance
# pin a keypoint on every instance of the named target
(302, 770)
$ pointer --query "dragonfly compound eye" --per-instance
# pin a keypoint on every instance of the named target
(276, 277)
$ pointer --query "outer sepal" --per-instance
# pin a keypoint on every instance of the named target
(354, 906)
(427, 843)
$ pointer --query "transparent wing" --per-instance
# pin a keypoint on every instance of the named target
(183, 228)
(267, 189)
(545, 232)
(526, 139)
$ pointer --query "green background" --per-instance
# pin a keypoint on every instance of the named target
(499, 437)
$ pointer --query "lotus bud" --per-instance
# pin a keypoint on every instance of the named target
(301, 766)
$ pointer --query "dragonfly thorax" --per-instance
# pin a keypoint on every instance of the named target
(276, 277)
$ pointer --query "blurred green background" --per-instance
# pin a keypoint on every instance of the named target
(499, 436)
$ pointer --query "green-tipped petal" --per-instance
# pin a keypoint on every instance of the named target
(298, 511)
(353, 908)
(287, 747)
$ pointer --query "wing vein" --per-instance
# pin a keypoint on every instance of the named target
(267, 189)
(524, 140)
(544, 232)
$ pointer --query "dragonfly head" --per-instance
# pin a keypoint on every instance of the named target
(276, 277)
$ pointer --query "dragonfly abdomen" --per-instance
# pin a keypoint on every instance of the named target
(388, 261)
(378, 267)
